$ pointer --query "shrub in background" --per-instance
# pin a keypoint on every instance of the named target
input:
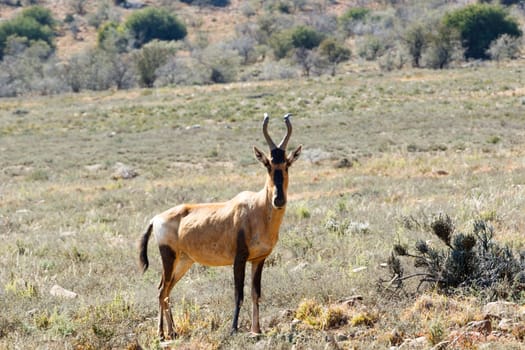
(416, 39)
(334, 52)
(305, 37)
(182, 71)
(29, 67)
(222, 61)
(99, 70)
(351, 18)
(114, 37)
(34, 23)
(151, 57)
(153, 23)
(370, 47)
(444, 47)
(281, 43)
(505, 47)
(300, 38)
(478, 25)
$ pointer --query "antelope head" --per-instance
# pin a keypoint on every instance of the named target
(277, 163)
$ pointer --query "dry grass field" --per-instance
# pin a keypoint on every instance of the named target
(416, 143)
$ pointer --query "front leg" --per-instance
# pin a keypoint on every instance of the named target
(239, 267)
(257, 267)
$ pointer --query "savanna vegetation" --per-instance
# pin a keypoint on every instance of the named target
(405, 221)
(386, 155)
(46, 48)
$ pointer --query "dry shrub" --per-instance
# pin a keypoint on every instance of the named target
(472, 263)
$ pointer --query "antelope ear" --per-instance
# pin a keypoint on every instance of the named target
(293, 156)
(261, 157)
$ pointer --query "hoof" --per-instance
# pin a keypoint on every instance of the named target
(173, 335)
(255, 335)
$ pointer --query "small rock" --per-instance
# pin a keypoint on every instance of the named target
(483, 326)
(58, 291)
(459, 337)
(124, 172)
(93, 168)
(341, 337)
(350, 301)
(413, 344)
(501, 309)
(359, 269)
(299, 267)
(193, 127)
(67, 233)
(505, 324)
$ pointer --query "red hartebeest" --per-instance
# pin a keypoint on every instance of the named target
(245, 228)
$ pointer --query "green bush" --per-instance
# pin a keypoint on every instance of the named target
(114, 37)
(151, 57)
(281, 43)
(306, 37)
(334, 52)
(40, 14)
(478, 25)
(34, 23)
(444, 47)
(300, 37)
(351, 17)
(370, 47)
(152, 23)
(416, 39)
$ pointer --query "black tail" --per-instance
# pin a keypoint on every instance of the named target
(144, 248)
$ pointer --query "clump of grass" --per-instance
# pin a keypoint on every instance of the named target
(310, 312)
(494, 139)
(343, 226)
(315, 315)
(38, 175)
(436, 331)
(303, 212)
(58, 322)
(333, 317)
(363, 319)
(472, 262)
(21, 288)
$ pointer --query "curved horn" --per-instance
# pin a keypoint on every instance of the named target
(269, 141)
(284, 141)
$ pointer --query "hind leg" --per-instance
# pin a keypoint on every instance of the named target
(174, 267)
(168, 260)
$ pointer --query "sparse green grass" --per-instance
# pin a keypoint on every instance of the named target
(424, 142)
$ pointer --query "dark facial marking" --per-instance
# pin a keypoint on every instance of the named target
(239, 267)
(278, 156)
(278, 180)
